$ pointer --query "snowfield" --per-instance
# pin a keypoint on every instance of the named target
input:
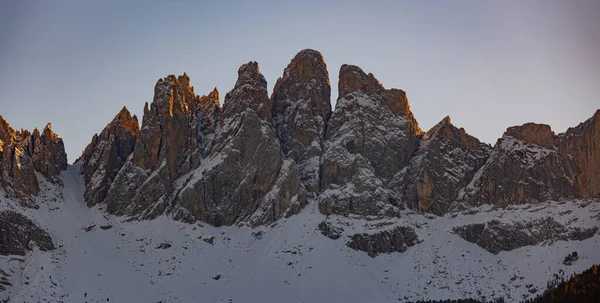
(289, 261)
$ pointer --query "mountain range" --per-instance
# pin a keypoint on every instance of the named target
(291, 197)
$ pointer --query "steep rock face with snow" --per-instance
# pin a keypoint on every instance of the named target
(47, 151)
(520, 170)
(370, 137)
(166, 148)
(445, 162)
(18, 234)
(301, 107)
(23, 153)
(106, 154)
(245, 178)
(195, 161)
(580, 148)
(397, 239)
(495, 236)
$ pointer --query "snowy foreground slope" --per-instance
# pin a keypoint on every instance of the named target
(288, 261)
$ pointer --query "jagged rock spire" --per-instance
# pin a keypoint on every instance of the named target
(22, 153)
(249, 92)
(445, 162)
(301, 107)
(106, 154)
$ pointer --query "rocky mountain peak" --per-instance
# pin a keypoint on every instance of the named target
(212, 98)
(48, 133)
(361, 157)
(22, 153)
(538, 134)
(249, 92)
(446, 131)
(308, 65)
(353, 78)
(7, 133)
(106, 154)
(301, 107)
(129, 122)
(249, 73)
(445, 162)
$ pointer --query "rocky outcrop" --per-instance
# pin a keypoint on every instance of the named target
(330, 231)
(18, 174)
(495, 236)
(106, 154)
(300, 108)
(22, 154)
(245, 178)
(398, 239)
(370, 137)
(537, 134)
(18, 235)
(445, 162)
(520, 171)
(580, 148)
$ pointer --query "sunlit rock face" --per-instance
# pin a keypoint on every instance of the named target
(300, 108)
(22, 154)
(445, 162)
(580, 148)
(106, 154)
(524, 167)
(370, 137)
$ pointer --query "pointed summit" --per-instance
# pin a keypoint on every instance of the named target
(7, 133)
(250, 91)
(445, 162)
(130, 123)
(106, 153)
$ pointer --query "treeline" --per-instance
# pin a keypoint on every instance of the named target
(461, 301)
(581, 288)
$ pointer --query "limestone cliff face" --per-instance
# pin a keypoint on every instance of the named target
(106, 154)
(245, 178)
(445, 162)
(22, 154)
(195, 161)
(300, 108)
(166, 148)
(370, 137)
(580, 148)
(520, 170)
(48, 153)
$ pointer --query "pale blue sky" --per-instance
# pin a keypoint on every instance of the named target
(487, 64)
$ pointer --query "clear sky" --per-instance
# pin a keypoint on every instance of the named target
(487, 64)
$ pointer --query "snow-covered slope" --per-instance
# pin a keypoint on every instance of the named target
(288, 261)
